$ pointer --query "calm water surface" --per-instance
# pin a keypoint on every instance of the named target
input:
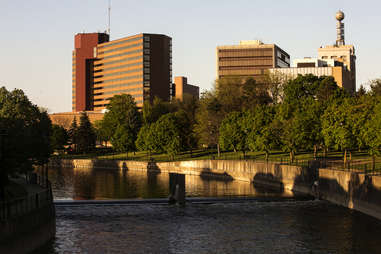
(249, 227)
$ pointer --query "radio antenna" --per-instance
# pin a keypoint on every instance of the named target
(109, 18)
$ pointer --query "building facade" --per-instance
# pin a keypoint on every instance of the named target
(250, 59)
(344, 54)
(340, 74)
(139, 65)
(82, 62)
(181, 88)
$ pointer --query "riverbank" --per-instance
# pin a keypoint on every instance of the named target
(355, 190)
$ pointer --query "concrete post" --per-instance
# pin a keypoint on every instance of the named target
(177, 189)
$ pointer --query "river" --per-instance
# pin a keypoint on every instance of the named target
(288, 226)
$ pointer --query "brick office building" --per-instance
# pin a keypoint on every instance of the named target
(139, 65)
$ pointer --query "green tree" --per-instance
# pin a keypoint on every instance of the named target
(209, 116)
(152, 112)
(336, 127)
(27, 130)
(73, 134)
(372, 133)
(254, 94)
(263, 133)
(122, 114)
(59, 137)
(375, 87)
(123, 139)
(233, 131)
(167, 135)
(86, 137)
(102, 131)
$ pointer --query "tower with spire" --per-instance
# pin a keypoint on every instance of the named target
(342, 53)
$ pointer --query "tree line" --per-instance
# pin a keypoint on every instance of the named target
(307, 113)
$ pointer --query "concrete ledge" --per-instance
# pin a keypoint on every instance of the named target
(164, 201)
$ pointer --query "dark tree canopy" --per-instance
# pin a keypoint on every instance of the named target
(85, 135)
(27, 130)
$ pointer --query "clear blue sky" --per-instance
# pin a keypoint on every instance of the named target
(37, 36)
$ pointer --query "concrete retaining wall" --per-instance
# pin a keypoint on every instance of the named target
(350, 189)
(354, 190)
(286, 177)
(28, 232)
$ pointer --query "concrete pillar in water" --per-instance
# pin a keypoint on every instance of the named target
(177, 188)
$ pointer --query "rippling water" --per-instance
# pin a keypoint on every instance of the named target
(249, 227)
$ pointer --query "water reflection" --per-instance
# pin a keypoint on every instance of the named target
(87, 183)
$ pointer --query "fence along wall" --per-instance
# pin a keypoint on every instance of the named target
(29, 222)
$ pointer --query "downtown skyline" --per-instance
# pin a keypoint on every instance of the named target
(36, 50)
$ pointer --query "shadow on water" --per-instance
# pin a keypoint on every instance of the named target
(206, 174)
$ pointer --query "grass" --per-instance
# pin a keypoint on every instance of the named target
(362, 159)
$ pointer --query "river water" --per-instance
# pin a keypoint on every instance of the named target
(288, 226)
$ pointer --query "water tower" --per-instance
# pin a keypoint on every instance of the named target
(340, 28)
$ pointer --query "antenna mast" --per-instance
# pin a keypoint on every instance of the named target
(109, 18)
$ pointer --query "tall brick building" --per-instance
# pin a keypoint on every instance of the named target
(139, 65)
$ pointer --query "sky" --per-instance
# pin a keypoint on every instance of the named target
(37, 37)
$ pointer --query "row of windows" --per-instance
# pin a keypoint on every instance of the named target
(119, 85)
(105, 105)
(246, 67)
(245, 50)
(239, 58)
(121, 48)
(119, 79)
(119, 61)
(122, 91)
(122, 72)
(121, 66)
(123, 54)
(120, 42)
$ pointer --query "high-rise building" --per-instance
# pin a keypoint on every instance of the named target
(139, 65)
(181, 88)
(250, 59)
(83, 58)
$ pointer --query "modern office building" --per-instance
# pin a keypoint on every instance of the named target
(250, 59)
(139, 65)
(181, 88)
